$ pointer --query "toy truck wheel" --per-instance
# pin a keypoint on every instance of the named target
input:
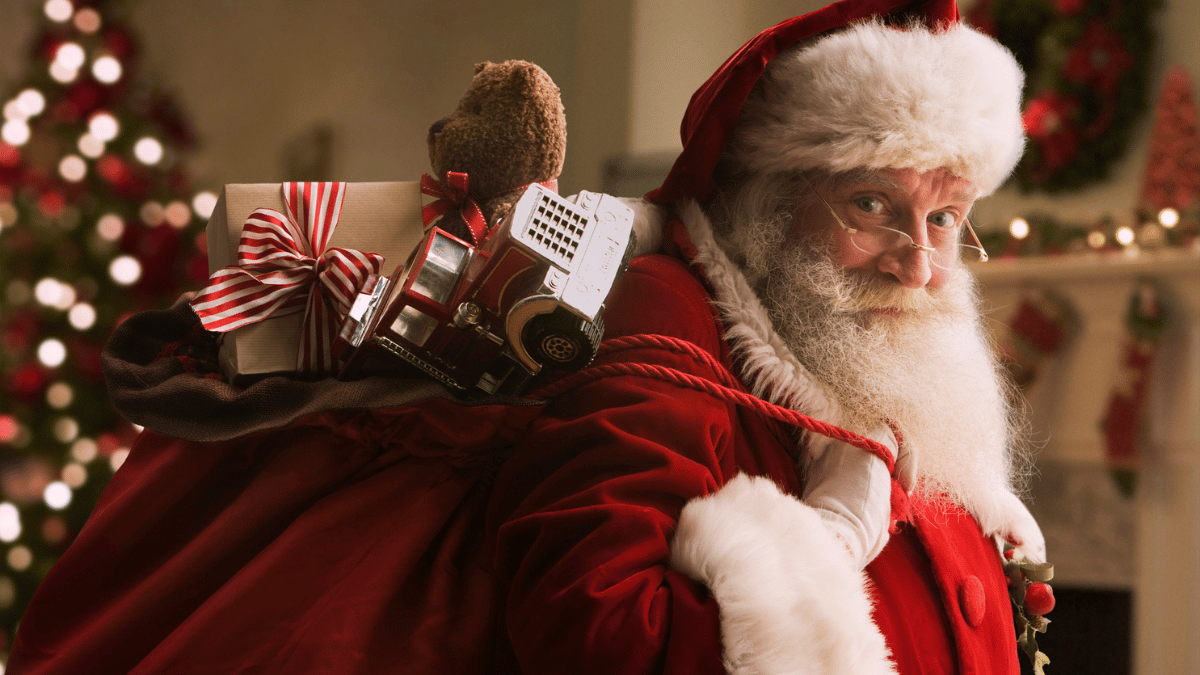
(562, 341)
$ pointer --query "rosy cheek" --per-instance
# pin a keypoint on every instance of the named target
(846, 255)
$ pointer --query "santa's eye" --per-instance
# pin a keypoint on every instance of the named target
(868, 204)
(943, 219)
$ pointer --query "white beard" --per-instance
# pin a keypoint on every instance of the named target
(928, 371)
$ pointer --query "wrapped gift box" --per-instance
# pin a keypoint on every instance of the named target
(382, 218)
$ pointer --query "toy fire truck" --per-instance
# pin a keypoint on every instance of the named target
(485, 320)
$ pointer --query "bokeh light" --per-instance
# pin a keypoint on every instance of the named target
(52, 352)
(1125, 236)
(90, 146)
(84, 450)
(57, 495)
(87, 20)
(31, 102)
(72, 168)
(10, 522)
(152, 213)
(62, 73)
(82, 316)
(15, 132)
(58, 11)
(104, 126)
(148, 150)
(74, 475)
(178, 214)
(70, 55)
(20, 558)
(66, 429)
(125, 270)
(59, 395)
(110, 227)
(106, 69)
(204, 203)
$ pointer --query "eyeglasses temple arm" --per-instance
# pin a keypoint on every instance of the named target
(833, 213)
(983, 256)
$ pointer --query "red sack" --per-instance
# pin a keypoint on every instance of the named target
(343, 541)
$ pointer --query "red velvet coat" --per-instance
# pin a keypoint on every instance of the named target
(377, 541)
(586, 507)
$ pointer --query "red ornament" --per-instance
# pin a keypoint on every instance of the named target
(28, 382)
(85, 356)
(113, 169)
(86, 96)
(1049, 119)
(19, 331)
(1069, 7)
(9, 155)
(157, 249)
(197, 270)
(1039, 599)
(1098, 58)
(119, 42)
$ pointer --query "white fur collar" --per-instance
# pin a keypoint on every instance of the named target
(770, 369)
(774, 374)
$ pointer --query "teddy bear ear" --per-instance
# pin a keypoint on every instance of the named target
(528, 77)
(480, 66)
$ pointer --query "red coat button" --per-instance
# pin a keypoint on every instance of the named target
(971, 600)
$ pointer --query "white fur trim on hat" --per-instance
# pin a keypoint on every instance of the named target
(877, 97)
(792, 600)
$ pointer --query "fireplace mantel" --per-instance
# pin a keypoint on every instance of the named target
(1068, 401)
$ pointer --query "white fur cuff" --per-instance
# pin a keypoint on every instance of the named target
(791, 598)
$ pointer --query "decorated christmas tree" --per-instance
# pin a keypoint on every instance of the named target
(97, 221)
(1172, 178)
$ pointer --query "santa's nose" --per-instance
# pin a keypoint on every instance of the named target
(908, 265)
(909, 261)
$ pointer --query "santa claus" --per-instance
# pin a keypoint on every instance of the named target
(793, 455)
(817, 220)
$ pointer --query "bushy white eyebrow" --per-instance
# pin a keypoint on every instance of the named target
(879, 180)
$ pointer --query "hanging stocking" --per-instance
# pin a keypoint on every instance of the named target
(1145, 321)
(1036, 332)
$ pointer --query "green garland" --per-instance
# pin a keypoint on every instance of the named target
(1086, 65)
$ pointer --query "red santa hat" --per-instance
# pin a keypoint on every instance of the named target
(905, 85)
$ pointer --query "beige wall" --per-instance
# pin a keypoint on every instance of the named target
(254, 73)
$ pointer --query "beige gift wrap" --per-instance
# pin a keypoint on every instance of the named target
(382, 218)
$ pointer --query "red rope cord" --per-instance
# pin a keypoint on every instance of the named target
(720, 390)
(677, 346)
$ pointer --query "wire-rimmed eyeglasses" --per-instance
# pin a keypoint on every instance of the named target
(873, 239)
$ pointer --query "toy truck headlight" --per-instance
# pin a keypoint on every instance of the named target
(439, 271)
(414, 325)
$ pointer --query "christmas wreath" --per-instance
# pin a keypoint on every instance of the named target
(1086, 66)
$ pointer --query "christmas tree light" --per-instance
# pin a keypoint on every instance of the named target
(97, 221)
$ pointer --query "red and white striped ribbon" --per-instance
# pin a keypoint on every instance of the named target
(284, 268)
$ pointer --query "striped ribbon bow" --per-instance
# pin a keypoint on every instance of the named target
(452, 194)
(284, 268)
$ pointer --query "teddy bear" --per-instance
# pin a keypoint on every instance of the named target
(508, 131)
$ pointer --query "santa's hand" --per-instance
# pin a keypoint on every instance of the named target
(1014, 525)
(851, 490)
